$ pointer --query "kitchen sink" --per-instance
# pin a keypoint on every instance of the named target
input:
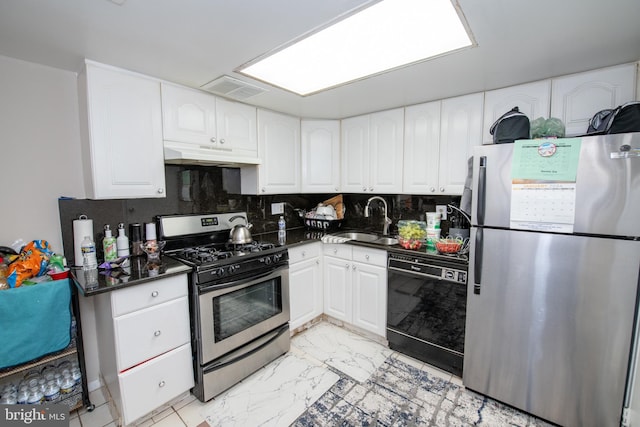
(358, 235)
(363, 236)
(386, 241)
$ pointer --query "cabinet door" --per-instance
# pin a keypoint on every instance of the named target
(461, 128)
(150, 385)
(577, 97)
(279, 148)
(337, 288)
(320, 156)
(305, 291)
(236, 128)
(122, 152)
(370, 298)
(386, 140)
(354, 155)
(421, 148)
(532, 99)
(189, 116)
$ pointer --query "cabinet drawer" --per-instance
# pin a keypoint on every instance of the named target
(146, 387)
(148, 294)
(146, 333)
(337, 250)
(304, 252)
(370, 256)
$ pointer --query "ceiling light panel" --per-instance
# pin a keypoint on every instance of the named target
(387, 35)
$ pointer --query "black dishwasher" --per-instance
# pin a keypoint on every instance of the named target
(426, 308)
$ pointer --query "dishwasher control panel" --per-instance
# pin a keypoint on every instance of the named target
(414, 265)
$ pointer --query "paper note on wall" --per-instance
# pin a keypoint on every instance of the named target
(543, 188)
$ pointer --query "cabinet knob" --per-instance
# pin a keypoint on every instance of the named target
(366, 257)
(161, 384)
(222, 141)
(370, 188)
(432, 189)
(154, 294)
(364, 188)
(336, 189)
(304, 254)
(160, 190)
(157, 333)
(346, 266)
(353, 267)
(442, 189)
(213, 139)
(264, 190)
(318, 262)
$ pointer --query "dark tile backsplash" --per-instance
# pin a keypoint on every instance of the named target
(207, 189)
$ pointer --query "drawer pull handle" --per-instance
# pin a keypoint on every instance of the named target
(157, 333)
(154, 294)
(161, 384)
(366, 256)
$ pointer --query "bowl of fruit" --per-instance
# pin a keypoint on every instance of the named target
(412, 234)
(450, 245)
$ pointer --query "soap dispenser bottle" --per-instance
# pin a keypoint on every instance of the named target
(109, 245)
(122, 244)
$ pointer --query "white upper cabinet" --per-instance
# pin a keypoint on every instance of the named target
(279, 149)
(460, 131)
(320, 156)
(121, 130)
(532, 99)
(421, 148)
(576, 98)
(203, 121)
(372, 152)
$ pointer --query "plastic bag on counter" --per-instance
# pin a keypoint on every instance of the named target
(544, 128)
(32, 262)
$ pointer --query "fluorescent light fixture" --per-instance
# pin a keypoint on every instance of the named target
(387, 35)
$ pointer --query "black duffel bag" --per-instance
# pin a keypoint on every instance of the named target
(511, 126)
(625, 118)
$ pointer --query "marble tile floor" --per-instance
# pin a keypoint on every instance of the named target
(332, 377)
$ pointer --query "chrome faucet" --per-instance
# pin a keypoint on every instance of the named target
(387, 221)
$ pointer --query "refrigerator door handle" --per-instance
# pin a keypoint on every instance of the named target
(477, 261)
(482, 191)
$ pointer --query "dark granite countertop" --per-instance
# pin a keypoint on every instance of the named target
(140, 271)
(297, 236)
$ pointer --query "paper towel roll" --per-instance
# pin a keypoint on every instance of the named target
(81, 227)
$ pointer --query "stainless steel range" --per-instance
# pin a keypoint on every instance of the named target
(239, 298)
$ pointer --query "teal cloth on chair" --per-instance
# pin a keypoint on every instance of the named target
(34, 321)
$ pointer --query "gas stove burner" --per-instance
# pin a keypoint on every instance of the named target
(203, 254)
(246, 248)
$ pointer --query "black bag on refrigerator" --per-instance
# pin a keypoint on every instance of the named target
(625, 118)
(511, 126)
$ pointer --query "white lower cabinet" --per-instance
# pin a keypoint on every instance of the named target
(305, 283)
(355, 286)
(145, 345)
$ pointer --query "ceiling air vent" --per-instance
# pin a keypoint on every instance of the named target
(233, 88)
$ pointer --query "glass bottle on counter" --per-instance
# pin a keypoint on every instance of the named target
(282, 231)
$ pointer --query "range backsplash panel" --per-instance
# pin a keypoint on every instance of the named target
(203, 189)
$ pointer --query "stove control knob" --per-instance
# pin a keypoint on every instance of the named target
(266, 260)
(220, 272)
(233, 268)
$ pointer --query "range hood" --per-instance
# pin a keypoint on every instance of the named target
(192, 154)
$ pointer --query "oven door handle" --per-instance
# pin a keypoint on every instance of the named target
(274, 272)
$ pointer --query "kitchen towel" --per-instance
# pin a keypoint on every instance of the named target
(81, 227)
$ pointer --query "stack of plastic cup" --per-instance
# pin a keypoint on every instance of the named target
(433, 229)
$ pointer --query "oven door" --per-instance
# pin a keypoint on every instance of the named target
(234, 314)
(426, 318)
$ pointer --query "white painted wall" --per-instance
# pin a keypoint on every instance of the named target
(40, 161)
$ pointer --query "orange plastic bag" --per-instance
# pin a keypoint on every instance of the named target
(32, 262)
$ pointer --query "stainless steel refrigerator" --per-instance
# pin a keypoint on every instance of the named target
(552, 295)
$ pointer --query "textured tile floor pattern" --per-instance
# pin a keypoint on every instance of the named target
(332, 377)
